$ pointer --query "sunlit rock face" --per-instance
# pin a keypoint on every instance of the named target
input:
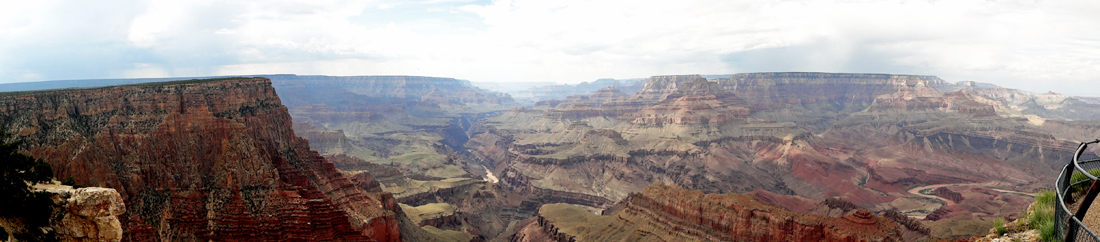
(669, 213)
(203, 159)
(864, 138)
(87, 214)
(197, 160)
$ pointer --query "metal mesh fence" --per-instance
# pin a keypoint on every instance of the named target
(1073, 186)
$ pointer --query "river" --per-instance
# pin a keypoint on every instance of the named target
(916, 191)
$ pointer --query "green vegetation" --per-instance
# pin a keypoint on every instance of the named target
(18, 202)
(927, 191)
(1078, 177)
(69, 181)
(191, 81)
(1042, 215)
(447, 235)
(427, 211)
(999, 226)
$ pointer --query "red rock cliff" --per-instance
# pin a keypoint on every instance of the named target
(197, 160)
(668, 213)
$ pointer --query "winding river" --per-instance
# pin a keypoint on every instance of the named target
(916, 191)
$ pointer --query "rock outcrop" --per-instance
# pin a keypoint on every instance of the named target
(198, 160)
(668, 213)
(79, 214)
(87, 214)
(696, 102)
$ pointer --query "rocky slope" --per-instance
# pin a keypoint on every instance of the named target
(198, 160)
(668, 213)
(471, 165)
(410, 134)
(416, 123)
(864, 138)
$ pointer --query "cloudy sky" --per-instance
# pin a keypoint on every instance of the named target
(1035, 45)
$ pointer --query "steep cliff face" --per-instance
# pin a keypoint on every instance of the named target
(1047, 105)
(595, 99)
(659, 87)
(696, 102)
(814, 100)
(667, 213)
(197, 160)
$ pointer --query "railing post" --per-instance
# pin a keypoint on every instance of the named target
(1068, 171)
(1060, 189)
(1071, 235)
(1094, 189)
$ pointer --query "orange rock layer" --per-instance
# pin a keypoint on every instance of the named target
(198, 160)
(675, 213)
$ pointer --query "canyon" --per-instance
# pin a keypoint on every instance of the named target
(861, 138)
(198, 160)
(668, 213)
(388, 158)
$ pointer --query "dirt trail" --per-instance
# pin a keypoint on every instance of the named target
(916, 190)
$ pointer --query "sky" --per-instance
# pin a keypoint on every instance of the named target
(1035, 45)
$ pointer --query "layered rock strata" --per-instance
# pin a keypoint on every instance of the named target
(668, 213)
(198, 160)
(864, 138)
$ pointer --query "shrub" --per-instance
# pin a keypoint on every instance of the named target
(69, 181)
(1077, 177)
(1042, 215)
(999, 226)
(17, 201)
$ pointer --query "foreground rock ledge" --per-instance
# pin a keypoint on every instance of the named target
(86, 214)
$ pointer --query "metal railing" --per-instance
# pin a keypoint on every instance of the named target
(1074, 177)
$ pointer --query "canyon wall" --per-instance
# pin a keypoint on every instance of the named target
(863, 138)
(197, 160)
(669, 213)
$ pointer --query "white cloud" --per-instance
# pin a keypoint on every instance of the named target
(160, 17)
(1032, 45)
